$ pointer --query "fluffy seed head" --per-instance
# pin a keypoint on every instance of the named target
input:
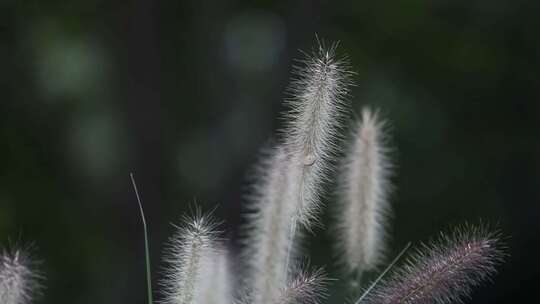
(19, 281)
(363, 191)
(313, 121)
(290, 188)
(306, 288)
(269, 239)
(216, 279)
(443, 271)
(189, 253)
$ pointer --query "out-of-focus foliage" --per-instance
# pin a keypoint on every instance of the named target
(184, 93)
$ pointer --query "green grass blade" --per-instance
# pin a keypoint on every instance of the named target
(146, 247)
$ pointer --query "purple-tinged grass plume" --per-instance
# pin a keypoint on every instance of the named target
(443, 271)
(307, 287)
(190, 252)
(19, 280)
(363, 192)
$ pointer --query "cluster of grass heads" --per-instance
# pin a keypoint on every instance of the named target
(285, 203)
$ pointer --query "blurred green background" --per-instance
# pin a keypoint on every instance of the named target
(185, 93)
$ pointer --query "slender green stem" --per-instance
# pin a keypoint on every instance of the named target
(146, 247)
(394, 261)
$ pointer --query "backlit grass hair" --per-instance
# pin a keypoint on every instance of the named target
(444, 270)
(363, 191)
(190, 252)
(20, 281)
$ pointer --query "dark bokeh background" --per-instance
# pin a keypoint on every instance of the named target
(184, 93)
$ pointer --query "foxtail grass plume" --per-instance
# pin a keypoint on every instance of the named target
(363, 192)
(443, 271)
(269, 241)
(189, 254)
(291, 181)
(216, 279)
(308, 287)
(19, 281)
(316, 110)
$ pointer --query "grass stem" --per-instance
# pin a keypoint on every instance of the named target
(383, 273)
(146, 247)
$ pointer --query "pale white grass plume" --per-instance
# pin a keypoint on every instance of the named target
(443, 271)
(291, 185)
(189, 254)
(269, 240)
(363, 194)
(216, 280)
(317, 108)
(20, 282)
